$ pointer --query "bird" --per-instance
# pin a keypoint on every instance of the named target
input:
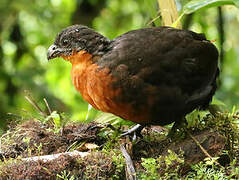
(150, 76)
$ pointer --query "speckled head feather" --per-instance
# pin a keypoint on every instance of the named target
(71, 31)
(76, 38)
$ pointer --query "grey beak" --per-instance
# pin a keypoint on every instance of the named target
(53, 52)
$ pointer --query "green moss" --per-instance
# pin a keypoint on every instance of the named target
(163, 167)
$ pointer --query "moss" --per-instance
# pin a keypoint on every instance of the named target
(164, 167)
(155, 156)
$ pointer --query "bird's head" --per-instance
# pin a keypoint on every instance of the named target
(77, 38)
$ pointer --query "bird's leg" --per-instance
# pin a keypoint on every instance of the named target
(177, 126)
(136, 130)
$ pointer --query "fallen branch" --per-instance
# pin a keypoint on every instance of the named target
(201, 147)
(130, 171)
(52, 157)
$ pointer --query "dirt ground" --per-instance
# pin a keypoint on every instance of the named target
(103, 159)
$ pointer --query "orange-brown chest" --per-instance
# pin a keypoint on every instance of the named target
(96, 87)
(94, 84)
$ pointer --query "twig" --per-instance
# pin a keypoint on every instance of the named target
(201, 147)
(55, 156)
(130, 171)
(47, 105)
(72, 145)
(50, 111)
(154, 19)
(108, 125)
(34, 104)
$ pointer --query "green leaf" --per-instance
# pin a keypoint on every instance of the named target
(56, 119)
(195, 5)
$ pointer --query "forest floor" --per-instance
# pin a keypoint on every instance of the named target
(205, 149)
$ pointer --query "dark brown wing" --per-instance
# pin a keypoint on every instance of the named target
(168, 70)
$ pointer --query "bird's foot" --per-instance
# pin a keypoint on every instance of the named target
(135, 131)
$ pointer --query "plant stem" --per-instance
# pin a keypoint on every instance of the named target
(169, 12)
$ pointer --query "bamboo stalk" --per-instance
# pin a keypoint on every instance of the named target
(169, 12)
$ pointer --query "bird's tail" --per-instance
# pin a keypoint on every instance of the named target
(202, 99)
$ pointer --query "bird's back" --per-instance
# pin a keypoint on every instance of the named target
(162, 71)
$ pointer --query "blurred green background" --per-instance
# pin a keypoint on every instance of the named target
(28, 28)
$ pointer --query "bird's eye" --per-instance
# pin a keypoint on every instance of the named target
(65, 42)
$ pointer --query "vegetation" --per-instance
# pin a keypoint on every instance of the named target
(26, 31)
(154, 155)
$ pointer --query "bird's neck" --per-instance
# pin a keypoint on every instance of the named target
(98, 45)
(79, 58)
(81, 63)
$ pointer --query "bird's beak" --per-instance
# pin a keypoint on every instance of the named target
(53, 52)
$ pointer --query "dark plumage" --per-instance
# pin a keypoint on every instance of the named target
(149, 76)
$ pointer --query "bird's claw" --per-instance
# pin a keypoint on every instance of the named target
(135, 131)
